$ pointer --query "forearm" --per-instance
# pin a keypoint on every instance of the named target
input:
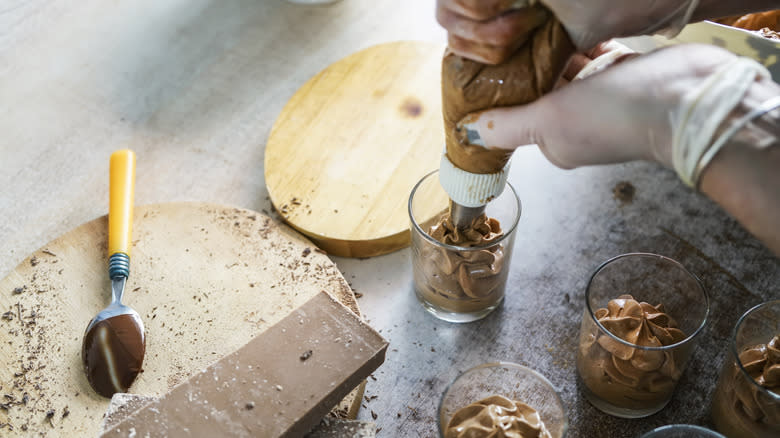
(746, 183)
(711, 9)
(745, 179)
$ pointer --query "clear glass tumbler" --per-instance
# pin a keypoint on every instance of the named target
(747, 398)
(681, 431)
(642, 316)
(515, 382)
(313, 2)
(460, 283)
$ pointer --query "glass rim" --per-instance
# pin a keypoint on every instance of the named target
(505, 364)
(679, 265)
(733, 348)
(507, 233)
(691, 427)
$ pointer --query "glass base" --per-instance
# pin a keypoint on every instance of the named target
(458, 317)
(617, 411)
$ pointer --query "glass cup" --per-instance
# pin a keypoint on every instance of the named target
(313, 2)
(460, 283)
(681, 431)
(513, 381)
(741, 406)
(632, 355)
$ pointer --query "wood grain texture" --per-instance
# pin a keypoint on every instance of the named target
(349, 146)
(205, 279)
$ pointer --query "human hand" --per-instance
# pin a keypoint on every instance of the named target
(622, 113)
(490, 30)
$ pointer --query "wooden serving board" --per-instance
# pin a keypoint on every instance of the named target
(350, 145)
(204, 278)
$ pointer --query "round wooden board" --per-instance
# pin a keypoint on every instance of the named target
(204, 278)
(350, 145)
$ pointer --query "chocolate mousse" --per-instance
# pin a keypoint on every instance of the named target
(469, 86)
(624, 376)
(496, 416)
(747, 404)
(466, 280)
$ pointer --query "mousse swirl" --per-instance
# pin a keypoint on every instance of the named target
(623, 375)
(463, 280)
(496, 417)
(482, 231)
(742, 409)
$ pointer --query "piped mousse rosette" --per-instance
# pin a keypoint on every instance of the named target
(624, 375)
(495, 417)
(466, 280)
(747, 404)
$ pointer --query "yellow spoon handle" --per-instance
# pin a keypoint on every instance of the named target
(120, 205)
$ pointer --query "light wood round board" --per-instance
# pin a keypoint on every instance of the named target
(349, 146)
(204, 278)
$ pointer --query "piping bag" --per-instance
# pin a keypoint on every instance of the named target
(471, 172)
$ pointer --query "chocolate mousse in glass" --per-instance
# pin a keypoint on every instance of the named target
(460, 274)
(642, 316)
(501, 399)
(682, 431)
(747, 398)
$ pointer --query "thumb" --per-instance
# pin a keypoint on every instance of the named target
(512, 127)
(502, 128)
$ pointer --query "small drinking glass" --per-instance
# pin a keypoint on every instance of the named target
(313, 2)
(515, 382)
(633, 374)
(681, 431)
(741, 406)
(460, 283)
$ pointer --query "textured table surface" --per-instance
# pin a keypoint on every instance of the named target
(195, 86)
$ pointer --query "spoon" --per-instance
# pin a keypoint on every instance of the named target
(114, 342)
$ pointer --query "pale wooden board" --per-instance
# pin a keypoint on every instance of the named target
(204, 278)
(351, 143)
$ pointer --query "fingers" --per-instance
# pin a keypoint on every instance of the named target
(491, 39)
(498, 30)
(503, 128)
(577, 62)
(479, 10)
(513, 127)
(484, 53)
(602, 56)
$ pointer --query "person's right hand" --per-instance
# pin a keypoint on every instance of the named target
(622, 113)
(490, 31)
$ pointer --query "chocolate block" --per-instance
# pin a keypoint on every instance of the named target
(279, 384)
(123, 405)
